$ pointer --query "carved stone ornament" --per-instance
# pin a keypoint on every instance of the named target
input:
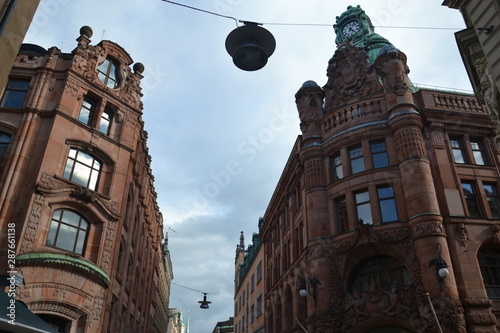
(392, 68)
(349, 76)
(309, 100)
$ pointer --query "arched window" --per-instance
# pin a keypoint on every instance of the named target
(68, 231)
(385, 271)
(82, 168)
(489, 262)
(108, 73)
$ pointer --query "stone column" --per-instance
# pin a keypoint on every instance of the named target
(425, 220)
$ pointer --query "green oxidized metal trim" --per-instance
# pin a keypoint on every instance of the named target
(39, 258)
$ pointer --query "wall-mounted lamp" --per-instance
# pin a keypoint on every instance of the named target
(308, 285)
(250, 46)
(441, 266)
(204, 303)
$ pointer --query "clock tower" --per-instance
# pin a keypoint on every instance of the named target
(355, 26)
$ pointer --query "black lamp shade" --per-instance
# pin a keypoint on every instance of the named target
(250, 46)
(204, 303)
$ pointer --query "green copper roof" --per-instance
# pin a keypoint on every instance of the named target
(39, 258)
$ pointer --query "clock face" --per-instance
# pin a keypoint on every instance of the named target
(350, 28)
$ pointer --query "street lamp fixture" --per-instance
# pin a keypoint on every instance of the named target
(441, 266)
(204, 303)
(308, 286)
(250, 46)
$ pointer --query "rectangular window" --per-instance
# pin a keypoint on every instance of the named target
(4, 144)
(493, 199)
(458, 151)
(252, 279)
(478, 152)
(341, 214)
(471, 199)
(357, 159)
(252, 313)
(15, 94)
(259, 271)
(387, 204)
(259, 306)
(105, 121)
(363, 207)
(86, 111)
(379, 154)
(337, 167)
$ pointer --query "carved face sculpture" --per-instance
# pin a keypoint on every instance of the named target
(348, 72)
(395, 78)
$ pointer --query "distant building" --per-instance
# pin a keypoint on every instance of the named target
(77, 188)
(175, 321)
(15, 19)
(165, 276)
(249, 286)
(388, 208)
(224, 326)
(478, 46)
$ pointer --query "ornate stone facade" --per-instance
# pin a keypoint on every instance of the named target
(372, 217)
(89, 234)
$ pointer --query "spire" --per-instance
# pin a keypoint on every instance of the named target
(242, 242)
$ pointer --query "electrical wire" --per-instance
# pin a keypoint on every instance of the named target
(189, 288)
(303, 24)
(199, 291)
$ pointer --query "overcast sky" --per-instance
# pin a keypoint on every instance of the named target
(219, 137)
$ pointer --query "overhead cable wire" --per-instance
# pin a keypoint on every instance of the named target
(302, 24)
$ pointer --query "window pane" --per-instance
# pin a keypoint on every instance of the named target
(81, 174)
(387, 204)
(493, 200)
(489, 262)
(379, 154)
(15, 93)
(477, 150)
(341, 212)
(337, 168)
(471, 200)
(357, 160)
(67, 231)
(4, 144)
(363, 207)
(388, 210)
(66, 237)
(458, 154)
(71, 218)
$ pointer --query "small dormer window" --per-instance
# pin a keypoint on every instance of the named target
(108, 73)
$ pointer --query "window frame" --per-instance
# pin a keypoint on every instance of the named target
(472, 199)
(13, 90)
(59, 221)
(387, 199)
(478, 151)
(356, 155)
(69, 171)
(4, 146)
(337, 170)
(376, 153)
(492, 290)
(362, 204)
(91, 110)
(458, 150)
(493, 199)
(104, 70)
(341, 214)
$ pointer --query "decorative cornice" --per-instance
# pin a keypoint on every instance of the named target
(62, 259)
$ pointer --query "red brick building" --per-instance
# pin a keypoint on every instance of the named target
(388, 208)
(76, 182)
